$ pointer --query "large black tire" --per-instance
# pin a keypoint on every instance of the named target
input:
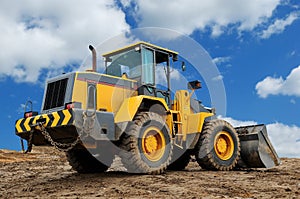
(146, 145)
(83, 161)
(180, 159)
(218, 147)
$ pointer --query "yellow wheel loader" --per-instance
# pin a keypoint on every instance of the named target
(94, 116)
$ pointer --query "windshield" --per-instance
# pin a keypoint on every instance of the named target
(128, 63)
(139, 64)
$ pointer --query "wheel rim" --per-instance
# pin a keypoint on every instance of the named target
(224, 145)
(153, 144)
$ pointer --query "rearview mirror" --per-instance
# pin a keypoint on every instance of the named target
(193, 85)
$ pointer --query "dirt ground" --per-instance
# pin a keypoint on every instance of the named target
(45, 173)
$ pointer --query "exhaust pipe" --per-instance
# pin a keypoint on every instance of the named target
(94, 56)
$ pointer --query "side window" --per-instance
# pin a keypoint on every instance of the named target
(91, 102)
(161, 78)
(148, 66)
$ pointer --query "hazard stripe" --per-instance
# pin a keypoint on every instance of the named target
(26, 124)
(34, 120)
(18, 126)
(67, 117)
(71, 119)
(22, 125)
(50, 120)
(31, 120)
(55, 119)
(61, 117)
(45, 116)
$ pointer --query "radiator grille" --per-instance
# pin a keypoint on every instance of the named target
(55, 95)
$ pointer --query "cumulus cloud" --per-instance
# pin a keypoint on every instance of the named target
(284, 86)
(279, 25)
(284, 138)
(188, 15)
(218, 78)
(220, 60)
(293, 101)
(175, 77)
(39, 35)
(236, 123)
(52, 34)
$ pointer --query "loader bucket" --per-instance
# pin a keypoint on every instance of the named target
(256, 148)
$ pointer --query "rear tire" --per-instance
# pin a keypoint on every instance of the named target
(146, 144)
(83, 161)
(218, 147)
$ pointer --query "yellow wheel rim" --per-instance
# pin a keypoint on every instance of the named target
(224, 145)
(153, 144)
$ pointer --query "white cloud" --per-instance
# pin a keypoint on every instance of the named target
(291, 54)
(220, 60)
(188, 15)
(20, 109)
(126, 3)
(293, 101)
(160, 76)
(175, 76)
(218, 78)
(51, 34)
(275, 86)
(269, 86)
(236, 123)
(216, 30)
(284, 138)
(279, 25)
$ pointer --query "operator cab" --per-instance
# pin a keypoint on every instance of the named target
(139, 62)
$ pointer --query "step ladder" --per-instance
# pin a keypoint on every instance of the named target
(177, 129)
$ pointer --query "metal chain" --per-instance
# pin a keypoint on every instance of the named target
(87, 127)
(65, 147)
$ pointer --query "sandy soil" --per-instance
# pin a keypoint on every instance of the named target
(45, 173)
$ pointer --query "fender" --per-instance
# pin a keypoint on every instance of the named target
(194, 128)
(195, 122)
(130, 106)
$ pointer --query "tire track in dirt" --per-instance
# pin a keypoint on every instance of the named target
(45, 173)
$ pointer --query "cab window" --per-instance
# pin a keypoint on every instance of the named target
(148, 66)
(128, 62)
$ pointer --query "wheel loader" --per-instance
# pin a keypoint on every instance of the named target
(93, 117)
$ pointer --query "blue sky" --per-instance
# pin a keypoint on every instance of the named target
(254, 44)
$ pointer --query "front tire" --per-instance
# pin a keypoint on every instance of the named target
(146, 144)
(83, 161)
(218, 147)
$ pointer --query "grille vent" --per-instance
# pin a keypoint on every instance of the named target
(55, 96)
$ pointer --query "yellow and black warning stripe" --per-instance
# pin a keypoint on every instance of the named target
(54, 119)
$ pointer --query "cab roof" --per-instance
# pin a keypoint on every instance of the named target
(139, 44)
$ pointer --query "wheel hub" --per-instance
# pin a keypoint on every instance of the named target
(153, 144)
(224, 145)
(150, 144)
